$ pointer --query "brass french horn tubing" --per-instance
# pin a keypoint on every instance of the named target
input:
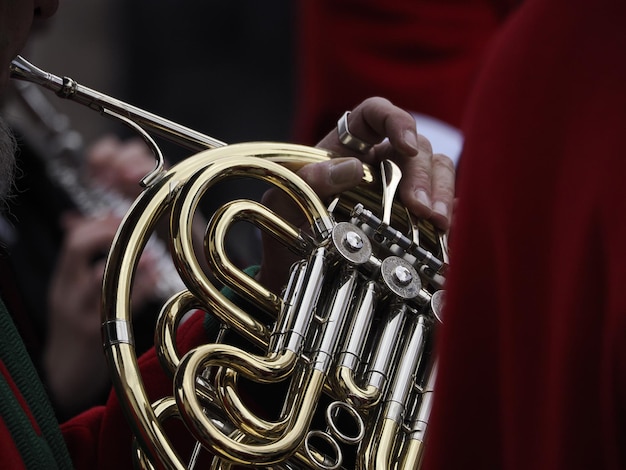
(117, 331)
(329, 334)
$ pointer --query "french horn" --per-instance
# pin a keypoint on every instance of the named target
(348, 343)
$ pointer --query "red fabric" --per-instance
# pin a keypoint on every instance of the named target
(11, 456)
(533, 355)
(422, 55)
(19, 397)
(80, 436)
(101, 438)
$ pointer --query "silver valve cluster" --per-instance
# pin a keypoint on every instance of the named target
(396, 236)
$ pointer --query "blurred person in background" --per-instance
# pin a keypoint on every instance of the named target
(56, 230)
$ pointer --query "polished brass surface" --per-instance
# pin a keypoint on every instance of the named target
(349, 341)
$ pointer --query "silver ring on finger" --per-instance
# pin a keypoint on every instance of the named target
(348, 139)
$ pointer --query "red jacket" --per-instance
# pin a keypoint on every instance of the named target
(100, 438)
(533, 355)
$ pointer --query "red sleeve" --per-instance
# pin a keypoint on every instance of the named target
(101, 437)
(10, 453)
(80, 436)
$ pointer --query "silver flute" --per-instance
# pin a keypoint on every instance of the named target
(50, 134)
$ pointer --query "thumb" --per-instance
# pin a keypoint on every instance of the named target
(332, 176)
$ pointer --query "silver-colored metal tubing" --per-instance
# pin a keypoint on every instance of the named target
(333, 324)
(404, 374)
(118, 332)
(423, 256)
(360, 325)
(334, 425)
(316, 273)
(295, 286)
(68, 88)
(378, 372)
(420, 422)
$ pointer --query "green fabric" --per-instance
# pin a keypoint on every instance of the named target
(45, 451)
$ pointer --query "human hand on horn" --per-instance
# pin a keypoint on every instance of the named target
(373, 131)
(377, 130)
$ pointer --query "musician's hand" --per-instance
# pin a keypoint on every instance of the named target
(73, 359)
(119, 165)
(427, 186)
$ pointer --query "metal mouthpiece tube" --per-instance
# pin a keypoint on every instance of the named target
(68, 88)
